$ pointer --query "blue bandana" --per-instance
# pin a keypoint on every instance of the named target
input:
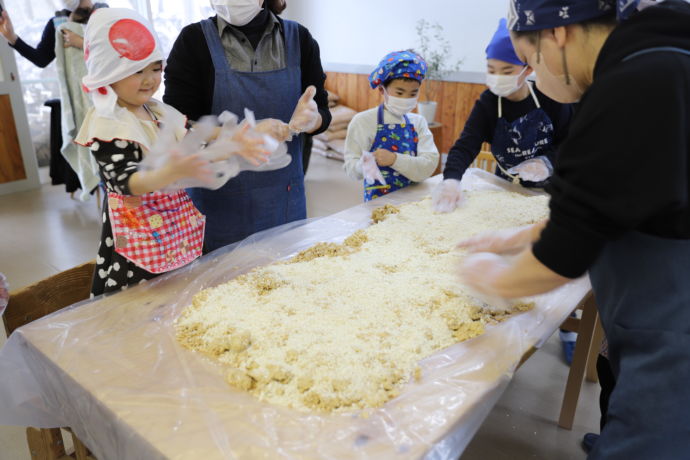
(399, 64)
(501, 47)
(525, 15)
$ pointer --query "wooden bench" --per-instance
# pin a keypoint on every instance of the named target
(34, 302)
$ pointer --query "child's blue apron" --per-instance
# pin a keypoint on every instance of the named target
(401, 139)
(253, 201)
(528, 137)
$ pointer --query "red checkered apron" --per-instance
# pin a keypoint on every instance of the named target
(158, 231)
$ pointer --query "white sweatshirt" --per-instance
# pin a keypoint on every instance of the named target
(362, 132)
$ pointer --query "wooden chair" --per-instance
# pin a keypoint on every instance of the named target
(589, 337)
(29, 304)
(485, 160)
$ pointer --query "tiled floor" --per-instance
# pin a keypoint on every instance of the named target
(43, 232)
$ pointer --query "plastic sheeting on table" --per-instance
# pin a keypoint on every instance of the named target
(112, 370)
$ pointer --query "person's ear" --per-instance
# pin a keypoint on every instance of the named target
(560, 34)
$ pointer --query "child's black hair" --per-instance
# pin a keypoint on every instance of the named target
(388, 82)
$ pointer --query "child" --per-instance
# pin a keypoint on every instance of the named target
(523, 126)
(145, 231)
(401, 144)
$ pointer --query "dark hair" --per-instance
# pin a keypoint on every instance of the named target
(388, 82)
(607, 21)
(276, 6)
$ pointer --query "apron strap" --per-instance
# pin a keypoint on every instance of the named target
(534, 96)
(215, 45)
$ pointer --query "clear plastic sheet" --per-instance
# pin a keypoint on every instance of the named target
(111, 369)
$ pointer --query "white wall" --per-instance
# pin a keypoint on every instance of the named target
(355, 34)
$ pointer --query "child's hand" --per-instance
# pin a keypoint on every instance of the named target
(277, 129)
(385, 157)
(186, 166)
(251, 148)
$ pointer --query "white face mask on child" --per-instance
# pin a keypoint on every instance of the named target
(399, 106)
(237, 12)
(504, 85)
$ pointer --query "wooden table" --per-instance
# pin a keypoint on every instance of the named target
(112, 370)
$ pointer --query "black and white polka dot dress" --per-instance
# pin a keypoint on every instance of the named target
(117, 161)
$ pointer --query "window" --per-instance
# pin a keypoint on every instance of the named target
(39, 85)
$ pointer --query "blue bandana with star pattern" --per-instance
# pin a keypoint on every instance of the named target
(525, 15)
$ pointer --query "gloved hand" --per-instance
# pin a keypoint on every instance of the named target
(370, 170)
(504, 241)
(306, 116)
(535, 170)
(480, 274)
(446, 196)
(277, 129)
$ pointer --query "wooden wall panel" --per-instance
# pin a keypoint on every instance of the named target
(11, 162)
(455, 101)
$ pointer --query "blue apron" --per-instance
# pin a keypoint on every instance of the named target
(642, 287)
(252, 202)
(528, 137)
(401, 139)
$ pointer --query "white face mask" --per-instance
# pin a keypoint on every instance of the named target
(237, 12)
(399, 106)
(505, 85)
(71, 5)
(560, 88)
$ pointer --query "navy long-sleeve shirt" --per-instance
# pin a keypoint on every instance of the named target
(44, 53)
(481, 124)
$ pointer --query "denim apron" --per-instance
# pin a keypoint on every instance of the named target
(401, 139)
(252, 202)
(642, 287)
(525, 138)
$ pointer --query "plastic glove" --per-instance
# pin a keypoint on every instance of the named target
(278, 151)
(370, 170)
(167, 147)
(277, 129)
(4, 293)
(535, 170)
(306, 115)
(480, 273)
(446, 196)
(505, 241)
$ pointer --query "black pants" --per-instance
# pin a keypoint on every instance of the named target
(607, 382)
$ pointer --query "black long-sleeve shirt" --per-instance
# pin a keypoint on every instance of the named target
(481, 124)
(44, 53)
(190, 78)
(625, 165)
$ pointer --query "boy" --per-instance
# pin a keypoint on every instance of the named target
(523, 126)
(387, 146)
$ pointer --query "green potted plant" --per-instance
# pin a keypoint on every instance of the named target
(435, 49)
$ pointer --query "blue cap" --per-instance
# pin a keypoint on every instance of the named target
(398, 64)
(525, 15)
(501, 47)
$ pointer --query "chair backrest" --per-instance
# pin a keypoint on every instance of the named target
(48, 296)
(485, 160)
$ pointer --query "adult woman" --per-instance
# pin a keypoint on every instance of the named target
(248, 57)
(620, 204)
